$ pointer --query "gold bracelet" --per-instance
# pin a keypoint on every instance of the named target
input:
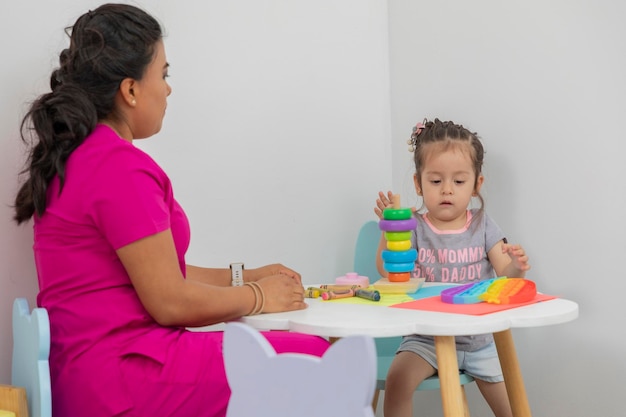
(256, 298)
(262, 298)
(259, 298)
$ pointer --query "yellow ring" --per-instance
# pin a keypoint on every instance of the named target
(398, 245)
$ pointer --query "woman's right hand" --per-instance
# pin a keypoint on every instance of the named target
(282, 293)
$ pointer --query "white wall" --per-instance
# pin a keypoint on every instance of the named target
(294, 96)
(277, 133)
(543, 83)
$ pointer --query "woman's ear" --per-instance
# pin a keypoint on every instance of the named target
(127, 91)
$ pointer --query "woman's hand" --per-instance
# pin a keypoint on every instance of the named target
(257, 274)
(281, 293)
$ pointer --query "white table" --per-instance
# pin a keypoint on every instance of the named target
(334, 320)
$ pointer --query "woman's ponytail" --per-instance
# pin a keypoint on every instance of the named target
(59, 122)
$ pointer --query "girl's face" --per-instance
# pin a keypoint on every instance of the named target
(151, 94)
(447, 186)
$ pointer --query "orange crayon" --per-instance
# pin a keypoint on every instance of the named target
(332, 295)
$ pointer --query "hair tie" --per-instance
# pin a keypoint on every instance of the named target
(417, 129)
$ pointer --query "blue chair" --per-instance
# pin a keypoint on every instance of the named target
(365, 264)
(31, 349)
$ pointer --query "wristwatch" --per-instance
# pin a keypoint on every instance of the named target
(236, 274)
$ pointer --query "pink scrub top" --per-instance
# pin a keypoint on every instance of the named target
(108, 357)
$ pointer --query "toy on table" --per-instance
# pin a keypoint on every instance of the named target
(501, 290)
(372, 295)
(358, 292)
(399, 256)
(335, 291)
(349, 285)
(352, 278)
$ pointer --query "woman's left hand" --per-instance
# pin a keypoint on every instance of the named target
(256, 274)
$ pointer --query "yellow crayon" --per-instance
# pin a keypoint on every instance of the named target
(312, 293)
(320, 290)
(339, 287)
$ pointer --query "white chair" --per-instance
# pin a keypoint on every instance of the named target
(365, 264)
(263, 383)
(31, 349)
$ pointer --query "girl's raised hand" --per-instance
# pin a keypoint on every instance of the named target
(382, 202)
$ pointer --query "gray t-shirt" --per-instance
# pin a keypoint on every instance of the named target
(456, 257)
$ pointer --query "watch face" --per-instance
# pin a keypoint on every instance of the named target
(236, 273)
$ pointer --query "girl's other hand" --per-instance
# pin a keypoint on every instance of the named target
(518, 256)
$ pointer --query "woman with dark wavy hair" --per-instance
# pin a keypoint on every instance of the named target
(110, 239)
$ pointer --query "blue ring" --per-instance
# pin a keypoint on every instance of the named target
(404, 256)
(399, 267)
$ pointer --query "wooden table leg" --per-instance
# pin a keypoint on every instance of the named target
(512, 374)
(451, 394)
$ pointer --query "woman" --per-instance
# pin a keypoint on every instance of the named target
(110, 239)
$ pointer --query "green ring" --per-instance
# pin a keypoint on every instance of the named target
(397, 213)
(395, 236)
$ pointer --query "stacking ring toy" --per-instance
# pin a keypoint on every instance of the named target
(397, 213)
(394, 236)
(398, 225)
(399, 245)
(398, 267)
(399, 256)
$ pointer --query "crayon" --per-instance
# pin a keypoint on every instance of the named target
(369, 295)
(339, 287)
(320, 290)
(312, 293)
(331, 295)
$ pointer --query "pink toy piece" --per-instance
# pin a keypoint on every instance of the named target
(352, 278)
(397, 225)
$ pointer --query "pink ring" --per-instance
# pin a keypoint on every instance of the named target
(397, 225)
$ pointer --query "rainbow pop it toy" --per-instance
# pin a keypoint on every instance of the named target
(501, 290)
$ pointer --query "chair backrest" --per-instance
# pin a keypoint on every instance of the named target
(365, 251)
(263, 383)
(31, 349)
